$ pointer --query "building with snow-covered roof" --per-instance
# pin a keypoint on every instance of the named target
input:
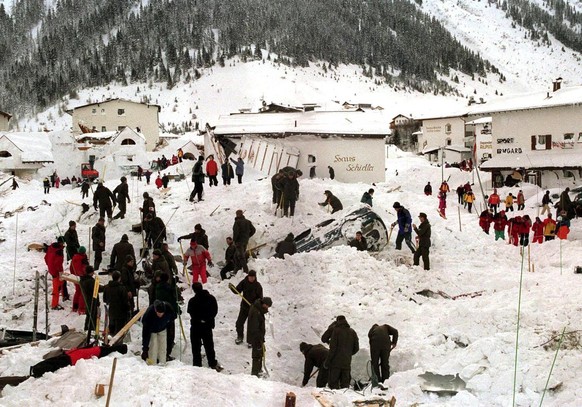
(4, 120)
(351, 142)
(24, 153)
(115, 115)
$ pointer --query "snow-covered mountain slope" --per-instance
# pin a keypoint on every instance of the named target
(472, 336)
(484, 28)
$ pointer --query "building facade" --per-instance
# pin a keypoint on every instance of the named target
(115, 115)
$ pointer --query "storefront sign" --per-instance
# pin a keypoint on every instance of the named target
(505, 140)
(352, 164)
(514, 150)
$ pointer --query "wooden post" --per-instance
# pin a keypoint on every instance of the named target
(528, 258)
(111, 382)
(89, 248)
(459, 211)
(290, 399)
(35, 317)
(15, 246)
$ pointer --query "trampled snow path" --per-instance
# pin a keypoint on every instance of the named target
(311, 289)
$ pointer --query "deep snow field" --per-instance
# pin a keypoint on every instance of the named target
(474, 337)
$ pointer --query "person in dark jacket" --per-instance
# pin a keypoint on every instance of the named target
(368, 197)
(170, 260)
(119, 253)
(331, 172)
(333, 201)
(239, 168)
(165, 180)
(115, 295)
(315, 356)
(290, 193)
(121, 193)
(359, 242)
(404, 222)
(227, 173)
(229, 259)
(287, 246)
(428, 189)
(202, 309)
(423, 233)
(85, 189)
(199, 235)
(46, 185)
(251, 290)
(72, 239)
(159, 262)
(546, 201)
(380, 347)
(256, 332)
(128, 280)
(343, 345)
(198, 179)
(105, 199)
(87, 283)
(277, 187)
(148, 207)
(98, 237)
(155, 231)
(164, 291)
(565, 204)
(242, 230)
(154, 324)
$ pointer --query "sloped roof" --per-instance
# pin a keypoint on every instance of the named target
(112, 100)
(35, 147)
(316, 122)
(127, 132)
(8, 115)
(100, 135)
(548, 159)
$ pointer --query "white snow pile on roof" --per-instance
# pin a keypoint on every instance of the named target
(536, 159)
(128, 132)
(35, 146)
(347, 122)
(103, 135)
(482, 120)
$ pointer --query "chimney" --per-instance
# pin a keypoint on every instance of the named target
(557, 84)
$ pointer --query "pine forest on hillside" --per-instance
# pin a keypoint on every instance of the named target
(85, 43)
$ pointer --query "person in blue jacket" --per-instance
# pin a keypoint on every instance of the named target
(404, 222)
(239, 168)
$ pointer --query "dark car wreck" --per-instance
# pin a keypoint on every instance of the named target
(335, 232)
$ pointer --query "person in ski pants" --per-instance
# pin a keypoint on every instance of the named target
(404, 227)
(155, 321)
(199, 256)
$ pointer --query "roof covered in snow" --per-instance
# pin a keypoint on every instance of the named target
(112, 100)
(100, 135)
(545, 159)
(482, 120)
(35, 147)
(8, 115)
(128, 132)
(317, 122)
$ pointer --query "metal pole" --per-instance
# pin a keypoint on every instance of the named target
(15, 246)
(442, 164)
(46, 306)
(35, 317)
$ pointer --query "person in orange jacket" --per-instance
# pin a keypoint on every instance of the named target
(549, 228)
(509, 203)
(494, 201)
(520, 201)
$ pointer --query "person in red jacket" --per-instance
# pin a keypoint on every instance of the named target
(54, 258)
(499, 222)
(524, 230)
(212, 170)
(485, 220)
(494, 201)
(159, 182)
(77, 268)
(198, 256)
(515, 226)
(538, 231)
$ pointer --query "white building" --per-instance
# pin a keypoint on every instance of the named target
(351, 142)
(24, 153)
(115, 115)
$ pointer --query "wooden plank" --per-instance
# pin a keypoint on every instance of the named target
(124, 330)
(322, 400)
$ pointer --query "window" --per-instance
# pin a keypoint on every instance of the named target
(120, 128)
(568, 136)
(448, 128)
(5, 154)
(127, 142)
(542, 139)
(121, 112)
(94, 111)
(102, 111)
(103, 128)
(310, 158)
(448, 141)
(579, 137)
(94, 128)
